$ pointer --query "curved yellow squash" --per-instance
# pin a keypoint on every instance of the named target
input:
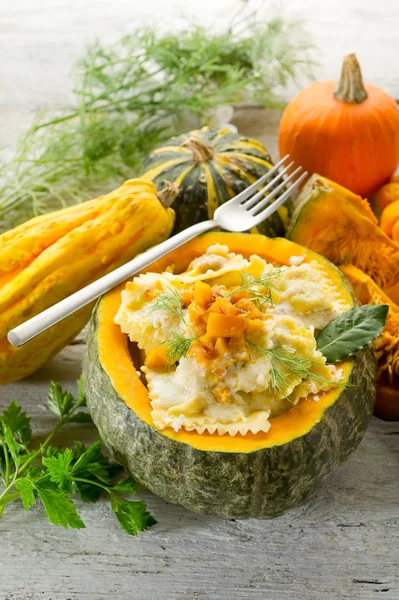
(54, 255)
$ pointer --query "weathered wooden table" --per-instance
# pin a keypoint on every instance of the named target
(344, 545)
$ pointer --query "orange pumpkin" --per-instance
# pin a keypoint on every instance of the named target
(389, 220)
(387, 194)
(346, 130)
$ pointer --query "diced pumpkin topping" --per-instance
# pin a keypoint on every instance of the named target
(156, 358)
(203, 294)
(201, 354)
(187, 297)
(240, 296)
(195, 312)
(221, 325)
(220, 348)
(248, 308)
(221, 393)
(222, 306)
(254, 326)
(208, 342)
(237, 343)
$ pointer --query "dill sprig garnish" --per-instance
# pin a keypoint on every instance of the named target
(260, 288)
(296, 364)
(177, 347)
(170, 301)
(135, 93)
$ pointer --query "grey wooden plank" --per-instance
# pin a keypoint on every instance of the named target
(345, 544)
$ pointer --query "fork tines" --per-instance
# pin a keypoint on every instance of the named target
(252, 204)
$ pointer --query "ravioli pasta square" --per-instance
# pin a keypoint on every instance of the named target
(231, 342)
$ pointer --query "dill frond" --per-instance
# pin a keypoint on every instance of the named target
(169, 301)
(135, 93)
(260, 288)
(177, 347)
(296, 364)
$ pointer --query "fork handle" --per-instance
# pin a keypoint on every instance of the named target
(39, 323)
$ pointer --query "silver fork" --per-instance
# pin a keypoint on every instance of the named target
(244, 211)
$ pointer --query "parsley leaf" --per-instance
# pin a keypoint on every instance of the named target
(88, 457)
(80, 417)
(26, 489)
(60, 402)
(60, 510)
(127, 486)
(132, 516)
(9, 443)
(54, 475)
(18, 422)
(58, 467)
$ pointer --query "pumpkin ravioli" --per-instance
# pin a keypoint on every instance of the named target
(219, 339)
(261, 474)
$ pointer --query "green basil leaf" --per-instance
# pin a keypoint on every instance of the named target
(352, 331)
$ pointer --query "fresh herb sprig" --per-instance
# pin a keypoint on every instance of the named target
(295, 364)
(53, 475)
(177, 347)
(135, 93)
(170, 301)
(260, 288)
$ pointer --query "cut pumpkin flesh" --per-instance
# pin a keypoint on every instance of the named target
(261, 474)
(341, 226)
(386, 345)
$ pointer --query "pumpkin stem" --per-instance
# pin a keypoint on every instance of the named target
(200, 149)
(350, 87)
(168, 193)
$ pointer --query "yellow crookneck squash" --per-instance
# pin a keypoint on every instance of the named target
(251, 475)
(51, 256)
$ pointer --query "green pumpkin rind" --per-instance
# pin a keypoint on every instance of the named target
(265, 483)
(245, 160)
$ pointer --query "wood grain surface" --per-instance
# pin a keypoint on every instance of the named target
(342, 546)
